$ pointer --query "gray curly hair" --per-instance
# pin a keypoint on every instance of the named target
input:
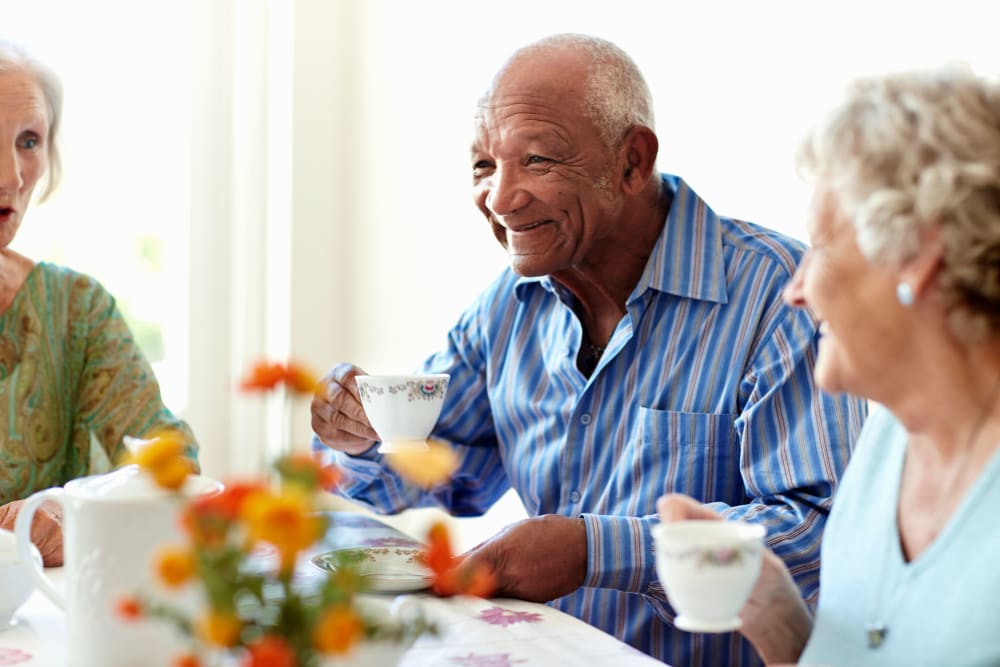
(616, 96)
(914, 150)
(15, 58)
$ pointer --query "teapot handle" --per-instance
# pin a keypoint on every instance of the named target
(22, 529)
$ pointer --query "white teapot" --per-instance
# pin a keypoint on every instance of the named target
(113, 525)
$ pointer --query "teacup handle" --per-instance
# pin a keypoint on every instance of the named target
(22, 530)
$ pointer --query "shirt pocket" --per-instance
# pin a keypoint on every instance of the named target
(685, 452)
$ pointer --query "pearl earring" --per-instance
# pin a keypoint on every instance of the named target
(905, 294)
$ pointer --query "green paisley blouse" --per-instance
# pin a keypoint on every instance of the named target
(71, 377)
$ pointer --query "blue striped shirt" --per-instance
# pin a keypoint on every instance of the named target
(705, 389)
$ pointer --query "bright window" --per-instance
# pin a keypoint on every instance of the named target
(122, 211)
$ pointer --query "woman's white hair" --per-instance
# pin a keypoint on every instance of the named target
(15, 58)
(616, 96)
(910, 151)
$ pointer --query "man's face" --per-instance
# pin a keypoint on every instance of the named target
(542, 176)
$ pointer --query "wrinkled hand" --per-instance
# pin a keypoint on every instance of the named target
(46, 528)
(775, 618)
(537, 559)
(338, 418)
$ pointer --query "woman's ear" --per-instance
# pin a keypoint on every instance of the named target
(639, 149)
(919, 270)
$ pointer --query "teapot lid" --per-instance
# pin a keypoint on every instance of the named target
(130, 482)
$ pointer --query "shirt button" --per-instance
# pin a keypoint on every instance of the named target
(574, 497)
(585, 418)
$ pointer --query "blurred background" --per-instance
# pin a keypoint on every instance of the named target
(290, 178)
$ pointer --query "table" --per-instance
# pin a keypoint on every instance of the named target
(475, 632)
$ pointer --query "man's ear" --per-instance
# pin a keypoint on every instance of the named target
(919, 270)
(639, 149)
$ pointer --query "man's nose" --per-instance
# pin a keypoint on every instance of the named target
(507, 193)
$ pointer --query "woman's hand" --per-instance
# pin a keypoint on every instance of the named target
(775, 618)
(46, 528)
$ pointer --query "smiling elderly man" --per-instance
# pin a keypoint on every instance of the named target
(637, 345)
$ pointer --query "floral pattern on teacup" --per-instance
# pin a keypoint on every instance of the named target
(415, 390)
(724, 557)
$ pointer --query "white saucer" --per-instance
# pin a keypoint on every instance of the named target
(694, 625)
(384, 569)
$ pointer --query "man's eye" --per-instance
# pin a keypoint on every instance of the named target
(481, 164)
(537, 159)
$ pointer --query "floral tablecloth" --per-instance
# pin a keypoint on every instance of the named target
(474, 632)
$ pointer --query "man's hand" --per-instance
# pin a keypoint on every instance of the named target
(537, 559)
(338, 418)
(46, 528)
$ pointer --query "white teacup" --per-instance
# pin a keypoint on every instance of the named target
(15, 584)
(403, 409)
(113, 525)
(708, 569)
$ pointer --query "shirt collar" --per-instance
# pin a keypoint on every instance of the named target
(687, 259)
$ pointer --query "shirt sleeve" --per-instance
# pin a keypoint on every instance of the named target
(794, 441)
(118, 392)
(466, 424)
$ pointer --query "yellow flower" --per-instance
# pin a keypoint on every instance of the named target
(337, 630)
(163, 457)
(286, 520)
(175, 566)
(425, 468)
(219, 628)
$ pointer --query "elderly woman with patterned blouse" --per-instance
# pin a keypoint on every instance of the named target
(904, 274)
(71, 374)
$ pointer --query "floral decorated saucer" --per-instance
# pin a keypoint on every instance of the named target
(387, 569)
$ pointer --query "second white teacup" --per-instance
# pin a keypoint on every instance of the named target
(708, 569)
(403, 409)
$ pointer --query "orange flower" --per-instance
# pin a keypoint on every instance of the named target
(270, 651)
(162, 456)
(299, 379)
(208, 518)
(175, 566)
(425, 468)
(303, 470)
(219, 628)
(286, 520)
(450, 576)
(187, 660)
(128, 609)
(263, 376)
(267, 375)
(337, 630)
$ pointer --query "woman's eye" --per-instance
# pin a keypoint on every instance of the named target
(29, 141)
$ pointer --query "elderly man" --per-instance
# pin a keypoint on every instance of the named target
(638, 345)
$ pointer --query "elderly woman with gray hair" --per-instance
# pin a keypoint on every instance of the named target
(71, 374)
(904, 274)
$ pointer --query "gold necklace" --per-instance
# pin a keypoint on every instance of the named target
(876, 630)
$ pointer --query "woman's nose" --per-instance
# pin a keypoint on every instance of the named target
(506, 193)
(10, 172)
